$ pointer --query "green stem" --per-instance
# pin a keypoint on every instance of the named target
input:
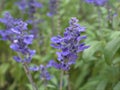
(61, 80)
(68, 80)
(29, 76)
(25, 66)
(58, 16)
(45, 84)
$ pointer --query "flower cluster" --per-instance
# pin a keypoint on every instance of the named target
(97, 2)
(52, 7)
(43, 69)
(16, 33)
(69, 45)
(29, 5)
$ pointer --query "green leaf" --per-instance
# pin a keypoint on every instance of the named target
(117, 87)
(95, 46)
(90, 85)
(54, 81)
(111, 49)
(4, 68)
(51, 86)
(37, 57)
(115, 34)
(102, 85)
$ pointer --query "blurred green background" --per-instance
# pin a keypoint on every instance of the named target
(97, 68)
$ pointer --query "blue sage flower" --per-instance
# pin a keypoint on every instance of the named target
(97, 2)
(16, 32)
(69, 45)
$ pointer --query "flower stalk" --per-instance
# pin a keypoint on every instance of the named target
(29, 76)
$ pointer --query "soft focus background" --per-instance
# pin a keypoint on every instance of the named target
(97, 68)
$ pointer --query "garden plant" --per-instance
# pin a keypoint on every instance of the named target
(59, 44)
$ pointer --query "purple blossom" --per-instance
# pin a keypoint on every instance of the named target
(52, 7)
(9, 22)
(52, 63)
(22, 5)
(29, 5)
(89, 1)
(33, 5)
(28, 39)
(16, 33)
(7, 18)
(17, 59)
(69, 45)
(97, 2)
(44, 74)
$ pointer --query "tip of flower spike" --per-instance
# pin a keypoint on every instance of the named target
(73, 20)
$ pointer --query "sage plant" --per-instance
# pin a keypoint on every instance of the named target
(69, 45)
(16, 33)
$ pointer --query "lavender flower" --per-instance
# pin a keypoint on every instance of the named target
(31, 5)
(97, 2)
(22, 5)
(8, 21)
(69, 45)
(52, 7)
(16, 33)
(44, 74)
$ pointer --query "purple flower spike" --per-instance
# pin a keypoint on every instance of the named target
(16, 33)
(69, 45)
